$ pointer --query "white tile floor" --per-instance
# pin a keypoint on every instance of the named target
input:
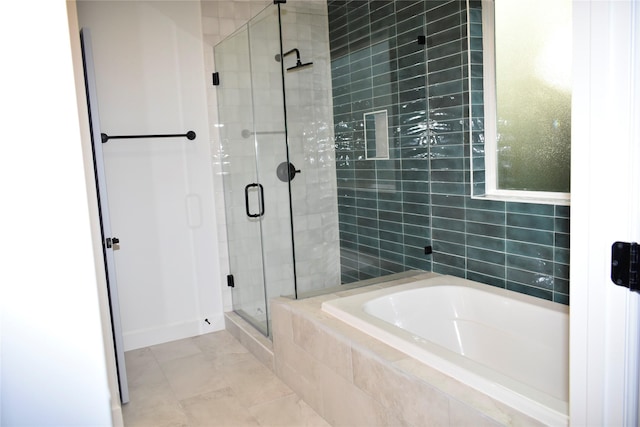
(210, 380)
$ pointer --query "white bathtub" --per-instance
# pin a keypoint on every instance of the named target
(509, 346)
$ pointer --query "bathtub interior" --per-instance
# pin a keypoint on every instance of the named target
(472, 323)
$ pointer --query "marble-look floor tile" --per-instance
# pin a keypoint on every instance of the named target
(205, 381)
(193, 375)
(217, 408)
(171, 415)
(175, 350)
(219, 344)
(149, 395)
(253, 382)
(288, 411)
(143, 368)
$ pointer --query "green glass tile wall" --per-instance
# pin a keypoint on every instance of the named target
(389, 210)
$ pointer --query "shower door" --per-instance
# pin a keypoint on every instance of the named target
(253, 145)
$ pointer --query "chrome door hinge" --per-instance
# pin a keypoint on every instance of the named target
(624, 265)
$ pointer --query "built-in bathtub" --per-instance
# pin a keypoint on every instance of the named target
(507, 345)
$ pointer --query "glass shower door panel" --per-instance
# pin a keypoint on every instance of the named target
(271, 151)
(309, 110)
(238, 160)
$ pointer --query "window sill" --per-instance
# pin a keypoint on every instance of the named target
(541, 198)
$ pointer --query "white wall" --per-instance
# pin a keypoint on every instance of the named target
(150, 80)
(53, 365)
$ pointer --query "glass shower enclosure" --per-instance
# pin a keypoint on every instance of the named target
(278, 157)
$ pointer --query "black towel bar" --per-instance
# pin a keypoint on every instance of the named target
(191, 135)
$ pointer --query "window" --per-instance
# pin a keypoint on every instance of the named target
(521, 107)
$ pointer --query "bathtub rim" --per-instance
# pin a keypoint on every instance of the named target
(531, 402)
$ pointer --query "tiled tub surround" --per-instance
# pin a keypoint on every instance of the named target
(391, 209)
(351, 378)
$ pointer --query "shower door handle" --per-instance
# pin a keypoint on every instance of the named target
(246, 200)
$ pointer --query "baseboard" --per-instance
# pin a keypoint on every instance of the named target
(177, 331)
(116, 415)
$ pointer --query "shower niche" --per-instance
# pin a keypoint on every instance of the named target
(376, 138)
(275, 111)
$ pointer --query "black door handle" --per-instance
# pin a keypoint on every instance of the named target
(246, 200)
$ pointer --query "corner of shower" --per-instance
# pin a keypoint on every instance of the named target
(281, 172)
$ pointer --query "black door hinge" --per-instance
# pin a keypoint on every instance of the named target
(230, 282)
(215, 77)
(624, 265)
(112, 241)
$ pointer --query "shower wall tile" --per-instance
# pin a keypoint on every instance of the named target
(421, 196)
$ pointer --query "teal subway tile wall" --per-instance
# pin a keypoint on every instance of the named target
(391, 209)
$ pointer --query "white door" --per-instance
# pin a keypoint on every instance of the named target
(605, 208)
(109, 242)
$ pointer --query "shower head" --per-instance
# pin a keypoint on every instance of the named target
(299, 65)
